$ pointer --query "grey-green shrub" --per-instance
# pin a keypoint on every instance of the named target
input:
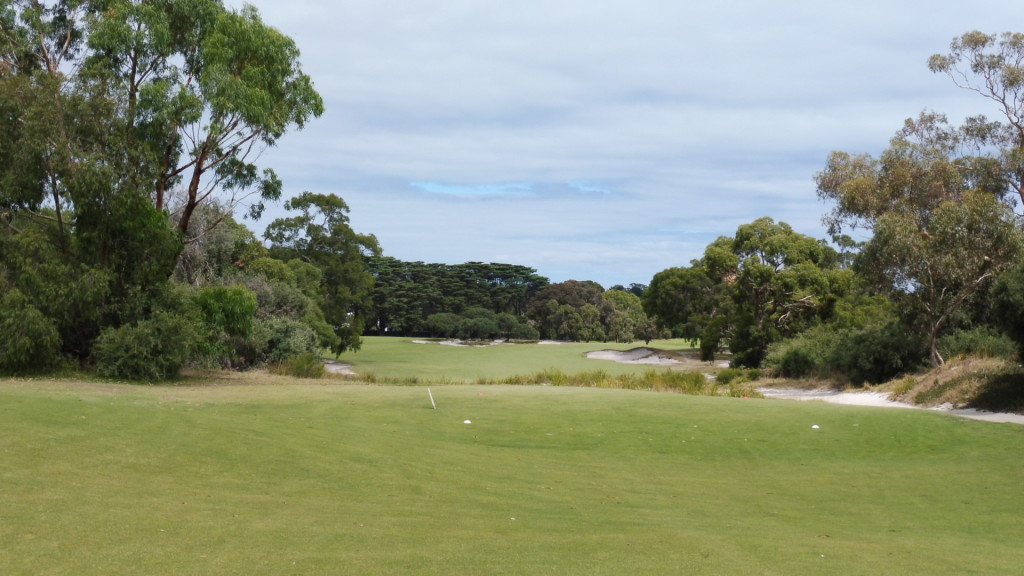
(150, 350)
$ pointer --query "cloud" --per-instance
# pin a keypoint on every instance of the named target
(602, 139)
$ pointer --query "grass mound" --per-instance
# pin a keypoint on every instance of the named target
(984, 383)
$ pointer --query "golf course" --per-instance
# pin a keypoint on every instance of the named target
(230, 473)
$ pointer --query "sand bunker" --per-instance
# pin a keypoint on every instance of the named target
(881, 399)
(335, 367)
(634, 356)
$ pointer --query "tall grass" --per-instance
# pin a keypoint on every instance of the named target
(695, 383)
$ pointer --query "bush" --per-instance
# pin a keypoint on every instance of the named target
(151, 350)
(796, 362)
(729, 374)
(985, 342)
(1008, 304)
(274, 340)
(803, 355)
(29, 341)
(306, 365)
(877, 354)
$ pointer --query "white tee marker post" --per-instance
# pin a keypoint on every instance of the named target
(431, 398)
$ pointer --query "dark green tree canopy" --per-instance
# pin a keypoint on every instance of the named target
(320, 235)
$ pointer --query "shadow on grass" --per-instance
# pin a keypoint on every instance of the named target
(1002, 392)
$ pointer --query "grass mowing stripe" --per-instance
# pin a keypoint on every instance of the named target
(371, 480)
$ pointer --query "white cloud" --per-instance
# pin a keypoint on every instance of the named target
(602, 139)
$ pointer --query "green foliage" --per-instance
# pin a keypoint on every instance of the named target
(74, 296)
(228, 310)
(228, 313)
(306, 365)
(1008, 305)
(573, 311)
(785, 283)
(274, 339)
(29, 341)
(685, 300)
(985, 342)
(765, 284)
(151, 350)
(320, 235)
(729, 374)
(405, 294)
(941, 229)
(733, 377)
(479, 324)
(872, 353)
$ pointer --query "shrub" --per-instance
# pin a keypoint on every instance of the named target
(804, 354)
(985, 342)
(796, 362)
(876, 354)
(29, 341)
(275, 339)
(307, 365)
(151, 350)
(729, 374)
(1008, 300)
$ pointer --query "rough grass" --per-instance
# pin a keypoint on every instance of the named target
(984, 383)
(270, 475)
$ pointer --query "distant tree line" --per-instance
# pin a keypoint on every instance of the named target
(407, 294)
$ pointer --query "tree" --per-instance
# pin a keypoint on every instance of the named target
(320, 235)
(202, 89)
(939, 238)
(684, 300)
(783, 285)
(161, 93)
(992, 66)
(941, 267)
(570, 310)
(1008, 295)
(626, 321)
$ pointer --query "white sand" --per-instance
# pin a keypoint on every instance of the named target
(335, 367)
(881, 399)
(634, 356)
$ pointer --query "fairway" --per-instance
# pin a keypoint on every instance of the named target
(421, 360)
(243, 477)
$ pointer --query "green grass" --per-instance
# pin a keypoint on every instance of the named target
(243, 477)
(403, 359)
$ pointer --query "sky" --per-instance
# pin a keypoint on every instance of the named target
(602, 140)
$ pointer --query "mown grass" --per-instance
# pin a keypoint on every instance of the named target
(389, 359)
(240, 477)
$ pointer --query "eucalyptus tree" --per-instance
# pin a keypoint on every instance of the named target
(177, 96)
(940, 237)
(320, 235)
(203, 89)
(106, 107)
(784, 283)
(992, 66)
